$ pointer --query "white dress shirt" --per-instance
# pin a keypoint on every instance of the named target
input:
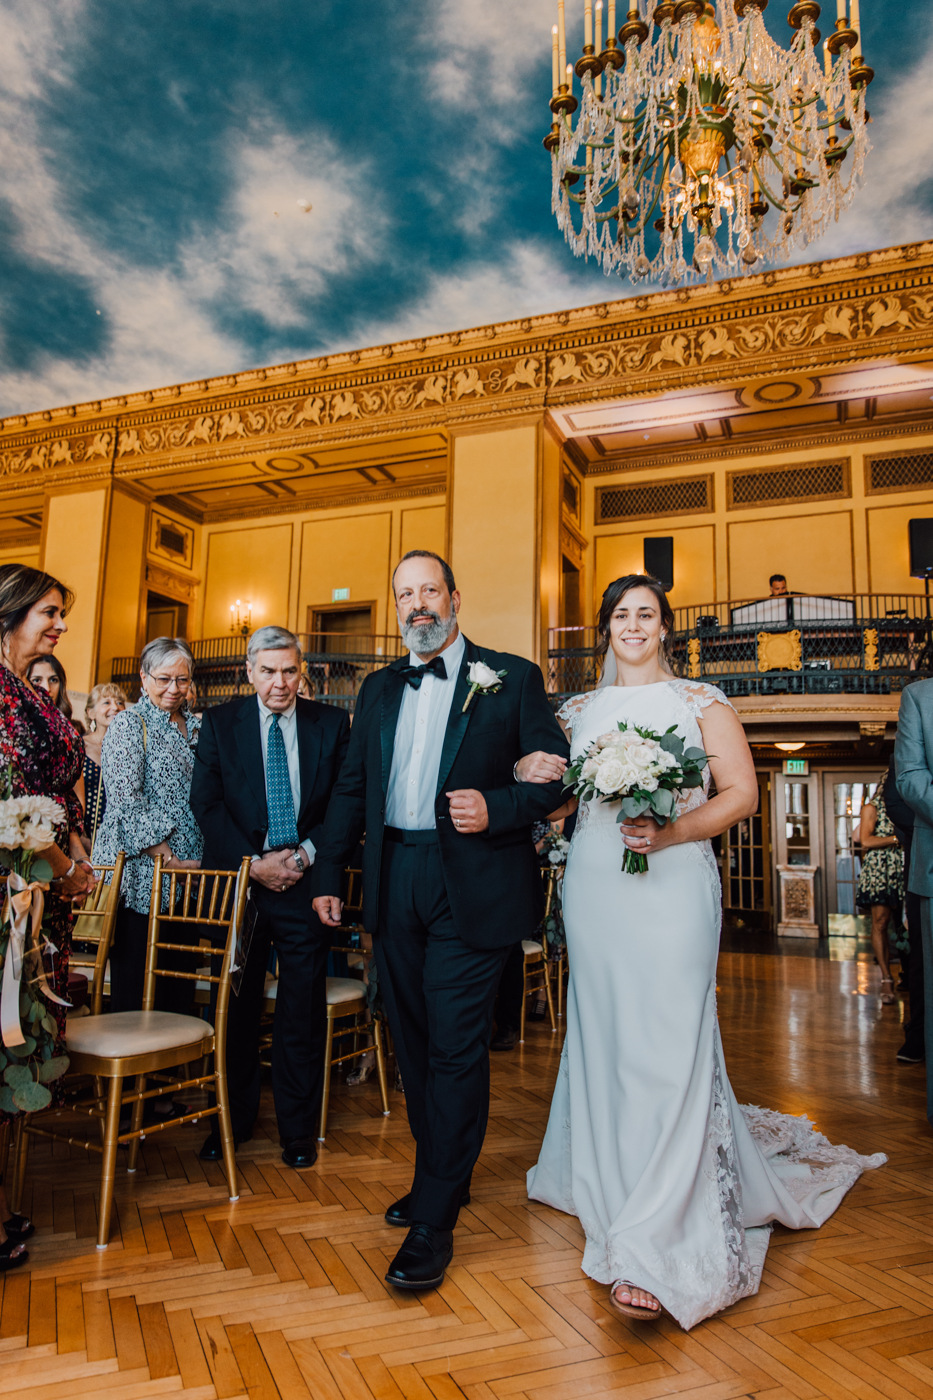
(419, 741)
(288, 725)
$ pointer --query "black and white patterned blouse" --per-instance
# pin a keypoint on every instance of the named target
(146, 765)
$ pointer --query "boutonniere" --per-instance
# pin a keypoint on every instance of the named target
(483, 680)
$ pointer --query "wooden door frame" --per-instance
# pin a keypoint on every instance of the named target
(314, 609)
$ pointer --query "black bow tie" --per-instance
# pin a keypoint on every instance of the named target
(414, 675)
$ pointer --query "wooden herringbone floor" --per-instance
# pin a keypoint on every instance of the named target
(283, 1293)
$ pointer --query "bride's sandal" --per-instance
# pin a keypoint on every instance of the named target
(888, 998)
(630, 1309)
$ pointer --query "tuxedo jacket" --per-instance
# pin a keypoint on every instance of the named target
(228, 784)
(492, 878)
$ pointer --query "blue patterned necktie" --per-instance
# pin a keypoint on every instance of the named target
(281, 804)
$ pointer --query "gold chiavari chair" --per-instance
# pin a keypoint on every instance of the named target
(146, 1043)
(94, 924)
(346, 1000)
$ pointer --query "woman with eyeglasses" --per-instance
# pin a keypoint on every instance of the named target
(146, 765)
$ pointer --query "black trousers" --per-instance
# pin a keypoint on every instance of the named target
(508, 1013)
(439, 996)
(128, 964)
(287, 922)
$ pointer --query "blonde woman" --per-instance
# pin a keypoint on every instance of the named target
(103, 704)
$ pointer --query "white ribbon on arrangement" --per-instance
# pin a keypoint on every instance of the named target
(23, 911)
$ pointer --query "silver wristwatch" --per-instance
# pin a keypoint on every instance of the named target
(298, 858)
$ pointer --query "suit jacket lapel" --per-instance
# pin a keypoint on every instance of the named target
(309, 752)
(249, 745)
(392, 693)
(457, 721)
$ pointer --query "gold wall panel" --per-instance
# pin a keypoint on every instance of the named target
(251, 564)
(814, 552)
(350, 551)
(694, 573)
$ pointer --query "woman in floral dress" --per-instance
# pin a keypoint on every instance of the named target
(881, 883)
(42, 752)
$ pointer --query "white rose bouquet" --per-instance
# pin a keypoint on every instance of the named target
(28, 1062)
(644, 770)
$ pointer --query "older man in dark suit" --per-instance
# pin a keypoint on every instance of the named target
(450, 876)
(264, 771)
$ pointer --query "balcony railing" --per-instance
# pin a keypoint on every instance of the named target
(848, 644)
(337, 663)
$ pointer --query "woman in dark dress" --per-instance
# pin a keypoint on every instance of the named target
(43, 752)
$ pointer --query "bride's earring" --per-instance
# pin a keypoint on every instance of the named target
(663, 635)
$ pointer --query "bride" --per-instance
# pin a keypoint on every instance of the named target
(675, 1184)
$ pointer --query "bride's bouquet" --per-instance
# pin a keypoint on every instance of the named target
(645, 770)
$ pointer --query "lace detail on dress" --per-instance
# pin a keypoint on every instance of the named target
(797, 1141)
(571, 710)
(698, 696)
(739, 1280)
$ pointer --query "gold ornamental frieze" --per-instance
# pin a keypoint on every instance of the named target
(813, 317)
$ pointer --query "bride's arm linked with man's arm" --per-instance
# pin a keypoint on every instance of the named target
(732, 768)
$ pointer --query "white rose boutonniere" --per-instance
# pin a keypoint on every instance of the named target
(483, 679)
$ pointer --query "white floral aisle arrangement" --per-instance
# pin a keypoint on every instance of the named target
(28, 1062)
(643, 770)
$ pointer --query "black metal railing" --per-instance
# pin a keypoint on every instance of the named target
(848, 644)
(337, 663)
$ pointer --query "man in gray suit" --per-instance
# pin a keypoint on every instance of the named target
(913, 759)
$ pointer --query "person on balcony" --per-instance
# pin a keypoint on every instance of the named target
(778, 585)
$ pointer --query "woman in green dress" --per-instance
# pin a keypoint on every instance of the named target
(880, 883)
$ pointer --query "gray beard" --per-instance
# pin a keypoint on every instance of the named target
(427, 638)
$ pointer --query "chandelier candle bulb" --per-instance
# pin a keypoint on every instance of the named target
(611, 28)
(588, 24)
(828, 61)
(555, 62)
(840, 9)
(561, 36)
(855, 23)
(599, 26)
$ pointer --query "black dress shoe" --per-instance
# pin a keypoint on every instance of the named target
(400, 1213)
(211, 1150)
(907, 1055)
(299, 1153)
(504, 1039)
(422, 1259)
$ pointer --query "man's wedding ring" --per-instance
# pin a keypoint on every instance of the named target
(456, 822)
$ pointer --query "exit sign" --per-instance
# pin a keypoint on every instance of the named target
(340, 595)
(796, 767)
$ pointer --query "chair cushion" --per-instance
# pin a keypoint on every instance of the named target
(530, 946)
(134, 1033)
(340, 989)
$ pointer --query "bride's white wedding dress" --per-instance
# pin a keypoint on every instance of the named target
(674, 1183)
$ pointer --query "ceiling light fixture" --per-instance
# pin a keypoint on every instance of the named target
(694, 126)
(790, 748)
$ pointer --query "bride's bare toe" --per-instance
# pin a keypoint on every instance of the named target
(631, 1301)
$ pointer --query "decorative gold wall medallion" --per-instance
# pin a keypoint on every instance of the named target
(779, 651)
(693, 658)
(870, 643)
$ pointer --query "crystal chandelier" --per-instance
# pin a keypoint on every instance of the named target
(701, 147)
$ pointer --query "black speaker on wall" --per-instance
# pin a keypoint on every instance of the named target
(920, 533)
(659, 559)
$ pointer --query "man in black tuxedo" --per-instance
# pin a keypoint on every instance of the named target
(450, 876)
(264, 770)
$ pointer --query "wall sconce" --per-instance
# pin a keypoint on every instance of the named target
(241, 621)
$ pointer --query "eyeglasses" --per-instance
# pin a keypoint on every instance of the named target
(167, 682)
